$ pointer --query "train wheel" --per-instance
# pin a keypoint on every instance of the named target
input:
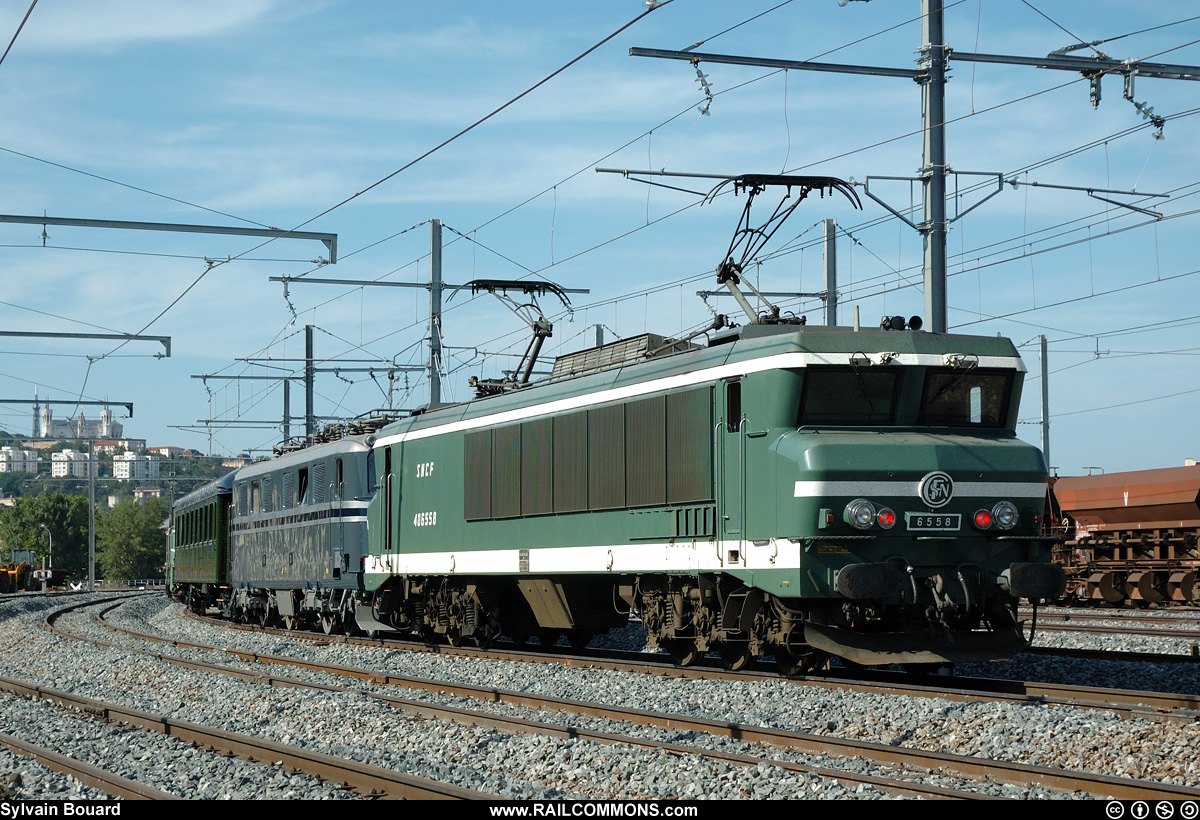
(549, 637)
(454, 636)
(683, 653)
(736, 658)
(264, 617)
(791, 664)
(329, 624)
(579, 638)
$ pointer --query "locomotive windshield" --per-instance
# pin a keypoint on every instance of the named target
(849, 395)
(871, 397)
(966, 397)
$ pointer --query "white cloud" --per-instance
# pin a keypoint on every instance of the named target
(80, 25)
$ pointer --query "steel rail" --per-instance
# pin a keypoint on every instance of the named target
(368, 781)
(1107, 655)
(94, 776)
(994, 770)
(1126, 703)
(1159, 617)
(425, 710)
(1100, 629)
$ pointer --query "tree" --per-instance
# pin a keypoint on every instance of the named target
(10, 483)
(66, 518)
(129, 540)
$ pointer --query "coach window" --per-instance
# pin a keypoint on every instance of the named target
(256, 497)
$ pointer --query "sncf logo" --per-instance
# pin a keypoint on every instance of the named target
(936, 489)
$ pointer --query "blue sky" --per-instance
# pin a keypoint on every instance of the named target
(258, 113)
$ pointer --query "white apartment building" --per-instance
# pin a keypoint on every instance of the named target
(69, 464)
(135, 467)
(16, 460)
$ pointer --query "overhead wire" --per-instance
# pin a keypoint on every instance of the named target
(18, 31)
(671, 119)
(131, 187)
(650, 131)
(412, 162)
(528, 269)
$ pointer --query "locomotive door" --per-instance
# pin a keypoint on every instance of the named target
(730, 435)
(337, 531)
(389, 502)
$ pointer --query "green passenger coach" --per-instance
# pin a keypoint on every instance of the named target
(199, 539)
(790, 491)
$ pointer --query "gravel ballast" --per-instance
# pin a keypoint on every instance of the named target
(353, 726)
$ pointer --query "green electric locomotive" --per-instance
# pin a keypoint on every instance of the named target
(786, 490)
(782, 490)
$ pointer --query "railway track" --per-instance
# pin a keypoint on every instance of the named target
(1159, 617)
(427, 711)
(1108, 628)
(366, 781)
(881, 754)
(109, 782)
(1139, 703)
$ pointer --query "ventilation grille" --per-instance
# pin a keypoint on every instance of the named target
(616, 354)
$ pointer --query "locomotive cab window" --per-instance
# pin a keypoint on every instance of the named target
(302, 486)
(733, 406)
(849, 395)
(966, 397)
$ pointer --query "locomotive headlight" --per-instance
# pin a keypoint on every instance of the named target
(860, 513)
(1005, 515)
